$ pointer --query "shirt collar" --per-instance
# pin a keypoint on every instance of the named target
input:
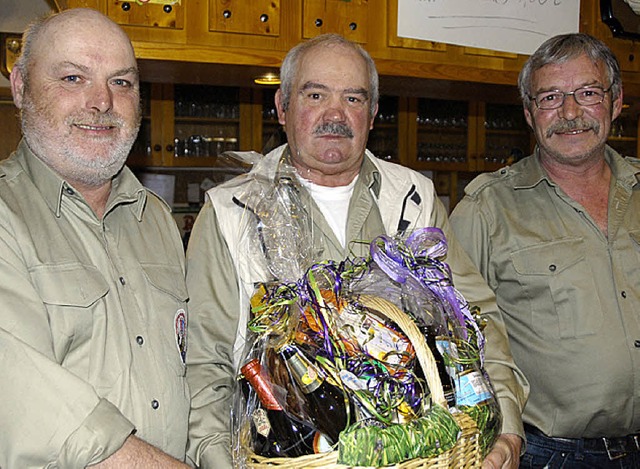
(125, 186)
(368, 175)
(531, 172)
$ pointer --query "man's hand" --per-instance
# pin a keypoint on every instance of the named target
(136, 453)
(505, 453)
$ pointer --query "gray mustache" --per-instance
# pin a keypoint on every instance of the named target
(575, 124)
(334, 128)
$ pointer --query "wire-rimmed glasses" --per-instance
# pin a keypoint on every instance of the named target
(584, 96)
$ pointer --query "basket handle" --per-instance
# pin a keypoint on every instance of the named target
(406, 324)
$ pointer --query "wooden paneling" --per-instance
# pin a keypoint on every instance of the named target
(10, 132)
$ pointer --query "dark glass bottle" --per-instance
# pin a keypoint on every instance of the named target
(445, 378)
(276, 434)
(326, 404)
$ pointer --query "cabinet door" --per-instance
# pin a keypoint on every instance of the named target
(148, 147)
(624, 131)
(348, 18)
(385, 141)
(504, 136)
(206, 124)
(263, 27)
(192, 125)
(272, 133)
(257, 17)
(444, 135)
(149, 21)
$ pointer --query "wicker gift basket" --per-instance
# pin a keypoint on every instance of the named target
(387, 331)
(465, 454)
(427, 430)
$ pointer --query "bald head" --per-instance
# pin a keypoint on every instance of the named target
(74, 25)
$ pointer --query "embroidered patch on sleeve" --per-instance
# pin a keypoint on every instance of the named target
(180, 322)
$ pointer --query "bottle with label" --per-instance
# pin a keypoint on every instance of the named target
(277, 434)
(445, 378)
(326, 403)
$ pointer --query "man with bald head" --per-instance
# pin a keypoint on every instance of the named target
(93, 317)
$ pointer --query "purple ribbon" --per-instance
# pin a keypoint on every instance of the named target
(418, 258)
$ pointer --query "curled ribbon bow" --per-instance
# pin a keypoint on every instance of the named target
(419, 258)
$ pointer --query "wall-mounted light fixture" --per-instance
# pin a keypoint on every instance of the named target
(11, 44)
(268, 78)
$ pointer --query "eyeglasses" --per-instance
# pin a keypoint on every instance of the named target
(586, 96)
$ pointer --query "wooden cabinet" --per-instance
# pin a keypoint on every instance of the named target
(191, 125)
(387, 138)
(443, 137)
(260, 32)
(10, 132)
(624, 131)
(271, 133)
(348, 18)
(505, 137)
(454, 135)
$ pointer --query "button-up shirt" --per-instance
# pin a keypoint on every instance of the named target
(92, 323)
(570, 294)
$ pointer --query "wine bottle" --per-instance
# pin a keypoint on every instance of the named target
(445, 378)
(277, 434)
(326, 404)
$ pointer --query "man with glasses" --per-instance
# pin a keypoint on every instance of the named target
(557, 237)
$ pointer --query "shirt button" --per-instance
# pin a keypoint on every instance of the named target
(140, 340)
(624, 294)
(637, 343)
(122, 281)
(69, 191)
(552, 267)
(155, 404)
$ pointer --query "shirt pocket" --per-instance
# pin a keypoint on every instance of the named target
(69, 291)
(169, 296)
(71, 284)
(559, 285)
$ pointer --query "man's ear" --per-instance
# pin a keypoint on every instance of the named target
(616, 108)
(375, 113)
(280, 108)
(17, 86)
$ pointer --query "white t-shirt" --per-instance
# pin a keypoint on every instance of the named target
(333, 203)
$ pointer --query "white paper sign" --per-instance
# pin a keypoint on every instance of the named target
(517, 26)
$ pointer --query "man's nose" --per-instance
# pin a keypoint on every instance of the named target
(570, 108)
(99, 97)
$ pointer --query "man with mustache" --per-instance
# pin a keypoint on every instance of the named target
(557, 237)
(93, 317)
(327, 103)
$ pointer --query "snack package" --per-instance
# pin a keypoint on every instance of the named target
(370, 357)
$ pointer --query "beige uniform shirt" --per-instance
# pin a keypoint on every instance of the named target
(91, 320)
(386, 197)
(570, 295)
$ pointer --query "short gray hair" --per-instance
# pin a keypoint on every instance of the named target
(29, 36)
(562, 48)
(291, 63)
